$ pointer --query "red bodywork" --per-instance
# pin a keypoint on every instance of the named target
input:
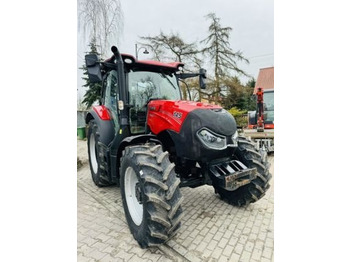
(151, 63)
(102, 112)
(170, 115)
(173, 65)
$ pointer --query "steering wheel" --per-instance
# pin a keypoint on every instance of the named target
(149, 100)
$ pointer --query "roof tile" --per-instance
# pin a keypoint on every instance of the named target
(265, 79)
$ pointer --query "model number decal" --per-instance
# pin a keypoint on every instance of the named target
(177, 114)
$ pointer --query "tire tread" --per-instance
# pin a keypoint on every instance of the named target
(161, 188)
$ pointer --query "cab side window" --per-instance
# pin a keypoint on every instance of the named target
(112, 95)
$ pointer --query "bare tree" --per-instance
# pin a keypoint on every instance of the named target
(102, 22)
(173, 47)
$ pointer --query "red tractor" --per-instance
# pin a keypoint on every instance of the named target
(144, 138)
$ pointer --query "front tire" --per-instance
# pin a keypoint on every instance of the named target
(97, 167)
(151, 194)
(256, 189)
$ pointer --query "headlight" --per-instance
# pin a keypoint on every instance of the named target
(211, 140)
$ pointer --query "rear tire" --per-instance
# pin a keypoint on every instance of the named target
(256, 189)
(97, 166)
(150, 193)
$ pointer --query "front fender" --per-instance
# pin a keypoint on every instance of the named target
(134, 140)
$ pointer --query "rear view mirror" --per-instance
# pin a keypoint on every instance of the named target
(93, 68)
(202, 78)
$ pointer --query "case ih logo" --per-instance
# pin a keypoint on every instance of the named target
(177, 114)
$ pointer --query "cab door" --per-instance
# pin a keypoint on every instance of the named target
(111, 96)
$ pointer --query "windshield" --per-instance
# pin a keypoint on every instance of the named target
(143, 86)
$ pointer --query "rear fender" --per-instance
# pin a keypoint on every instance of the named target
(105, 127)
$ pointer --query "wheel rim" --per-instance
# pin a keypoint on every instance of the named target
(134, 207)
(92, 147)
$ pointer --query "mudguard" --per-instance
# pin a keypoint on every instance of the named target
(140, 139)
(119, 146)
(133, 140)
(105, 127)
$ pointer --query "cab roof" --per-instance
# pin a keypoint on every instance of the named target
(132, 63)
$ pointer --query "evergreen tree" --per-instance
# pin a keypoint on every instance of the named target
(233, 94)
(238, 95)
(220, 53)
(249, 99)
(93, 92)
(251, 83)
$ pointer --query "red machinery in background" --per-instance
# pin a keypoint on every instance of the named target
(263, 117)
(261, 122)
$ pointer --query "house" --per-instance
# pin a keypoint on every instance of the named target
(265, 79)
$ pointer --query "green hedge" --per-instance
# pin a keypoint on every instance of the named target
(240, 116)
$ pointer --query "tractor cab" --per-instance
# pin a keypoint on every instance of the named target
(145, 85)
(142, 85)
(139, 83)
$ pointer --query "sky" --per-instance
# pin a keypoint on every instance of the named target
(252, 23)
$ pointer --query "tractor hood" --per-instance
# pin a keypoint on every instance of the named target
(189, 106)
(171, 115)
(184, 120)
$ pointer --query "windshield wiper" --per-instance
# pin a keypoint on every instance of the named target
(163, 75)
